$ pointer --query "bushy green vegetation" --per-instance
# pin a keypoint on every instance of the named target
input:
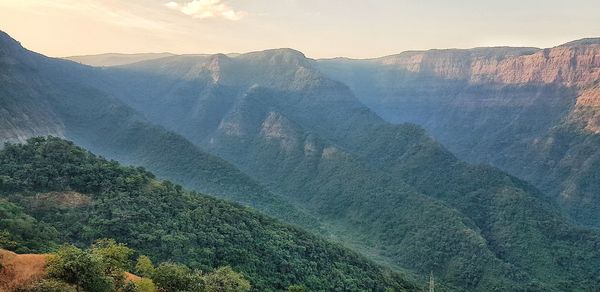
(48, 285)
(102, 268)
(85, 270)
(23, 233)
(225, 279)
(163, 221)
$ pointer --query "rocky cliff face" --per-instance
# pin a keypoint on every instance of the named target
(587, 110)
(569, 65)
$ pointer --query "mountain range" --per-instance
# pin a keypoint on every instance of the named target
(531, 112)
(43, 96)
(284, 134)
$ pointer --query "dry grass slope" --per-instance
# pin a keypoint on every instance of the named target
(20, 269)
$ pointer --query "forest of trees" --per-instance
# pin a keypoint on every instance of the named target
(52, 193)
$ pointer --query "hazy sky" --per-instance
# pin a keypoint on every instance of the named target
(319, 28)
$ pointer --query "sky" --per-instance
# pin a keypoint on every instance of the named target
(319, 28)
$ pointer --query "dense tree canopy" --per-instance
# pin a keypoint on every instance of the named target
(82, 198)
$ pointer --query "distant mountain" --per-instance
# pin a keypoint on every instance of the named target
(112, 59)
(390, 191)
(52, 192)
(533, 113)
(43, 96)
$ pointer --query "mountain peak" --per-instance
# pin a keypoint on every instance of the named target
(278, 56)
(285, 52)
(215, 64)
(5, 37)
(219, 58)
(12, 52)
(7, 42)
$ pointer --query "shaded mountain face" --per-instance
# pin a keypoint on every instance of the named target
(530, 112)
(52, 192)
(44, 96)
(23, 113)
(387, 190)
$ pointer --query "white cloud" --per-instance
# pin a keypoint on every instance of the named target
(172, 5)
(204, 9)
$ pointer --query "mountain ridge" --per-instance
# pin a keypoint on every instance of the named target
(519, 114)
(115, 59)
(308, 137)
(53, 91)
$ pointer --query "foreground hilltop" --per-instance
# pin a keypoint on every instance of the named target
(21, 271)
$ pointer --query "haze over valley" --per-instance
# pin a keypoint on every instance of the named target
(425, 170)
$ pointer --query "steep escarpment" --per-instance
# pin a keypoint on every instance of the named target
(475, 64)
(518, 109)
(569, 64)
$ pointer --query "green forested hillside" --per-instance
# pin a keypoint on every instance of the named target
(390, 191)
(419, 192)
(537, 120)
(44, 96)
(70, 195)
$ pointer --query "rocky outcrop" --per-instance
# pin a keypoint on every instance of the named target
(276, 128)
(570, 66)
(587, 110)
